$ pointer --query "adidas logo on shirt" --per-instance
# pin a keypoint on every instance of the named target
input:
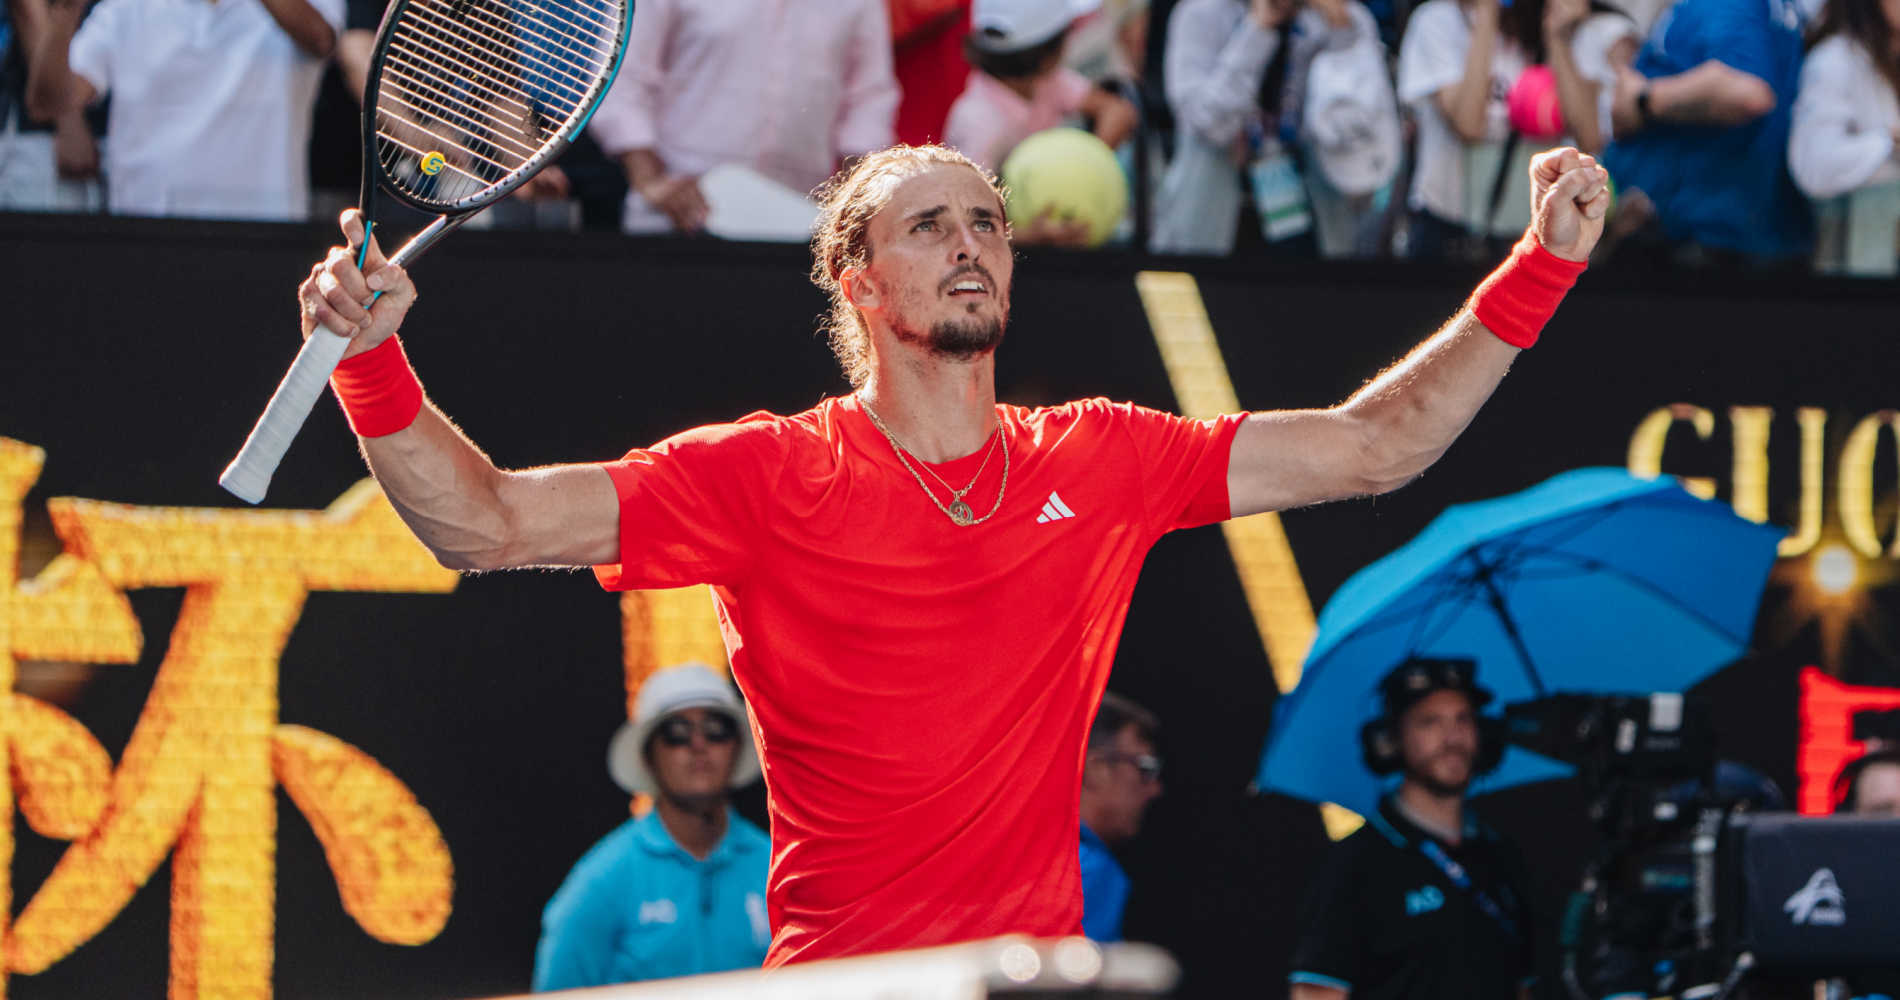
(1054, 510)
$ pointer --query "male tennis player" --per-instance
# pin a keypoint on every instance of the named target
(921, 589)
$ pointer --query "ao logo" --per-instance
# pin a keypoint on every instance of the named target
(432, 163)
(761, 926)
(658, 911)
(1819, 903)
(1423, 900)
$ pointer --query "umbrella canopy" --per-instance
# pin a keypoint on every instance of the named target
(1592, 581)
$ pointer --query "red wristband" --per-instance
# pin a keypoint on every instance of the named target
(1521, 295)
(378, 389)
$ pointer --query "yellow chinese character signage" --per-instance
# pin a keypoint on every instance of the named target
(197, 779)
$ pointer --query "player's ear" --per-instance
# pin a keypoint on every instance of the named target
(859, 289)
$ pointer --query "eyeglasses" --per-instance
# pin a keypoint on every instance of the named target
(678, 730)
(1146, 764)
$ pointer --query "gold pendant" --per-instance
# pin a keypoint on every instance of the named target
(960, 513)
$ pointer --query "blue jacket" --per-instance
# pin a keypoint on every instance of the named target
(637, 906)
(1726, 187)
(1104, 890)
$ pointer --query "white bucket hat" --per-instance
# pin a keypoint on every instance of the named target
(1014, 25)
(675, 689)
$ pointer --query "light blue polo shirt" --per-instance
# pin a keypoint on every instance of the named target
(638, 906)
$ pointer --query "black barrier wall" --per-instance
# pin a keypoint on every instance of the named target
(138, 353)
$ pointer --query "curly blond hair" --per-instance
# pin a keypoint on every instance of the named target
(846, 204)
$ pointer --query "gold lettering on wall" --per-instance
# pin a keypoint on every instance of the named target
(60, 773)
(1269, 575)
(664, 628)
(197, 777)
(1750, 430)
(1748, 477)
(1855, 484)
(1263, 558)
(1750, 427)
(1646, 445)
(1807, 526)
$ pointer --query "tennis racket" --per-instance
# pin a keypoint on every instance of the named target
(465, 100)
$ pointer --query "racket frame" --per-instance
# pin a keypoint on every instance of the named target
(249, 474)
(375, 179)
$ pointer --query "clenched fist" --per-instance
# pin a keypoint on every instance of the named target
(1570, 194)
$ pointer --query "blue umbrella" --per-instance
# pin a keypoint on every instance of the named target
(1592, 581)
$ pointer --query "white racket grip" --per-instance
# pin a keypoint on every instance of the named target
(248, 475)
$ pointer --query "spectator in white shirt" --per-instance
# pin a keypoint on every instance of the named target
(787, 88)
(1846, 116)
(1458, 61)
(211, 101)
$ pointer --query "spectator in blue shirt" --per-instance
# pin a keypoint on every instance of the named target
(1122, 775)
(681, 890)
(1701, 124)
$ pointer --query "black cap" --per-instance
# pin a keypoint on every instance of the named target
(1410, 682)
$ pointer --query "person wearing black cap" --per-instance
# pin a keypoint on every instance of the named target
(1423, 901)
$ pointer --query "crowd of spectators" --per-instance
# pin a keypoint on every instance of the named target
(1750, 134)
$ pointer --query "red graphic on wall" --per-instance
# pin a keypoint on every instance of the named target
(1828, 739)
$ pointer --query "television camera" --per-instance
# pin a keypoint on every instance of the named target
(1699, 880)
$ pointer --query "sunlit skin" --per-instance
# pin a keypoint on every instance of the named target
(693, 781)
(1877, 791)
(933, 338)
(1114, 794)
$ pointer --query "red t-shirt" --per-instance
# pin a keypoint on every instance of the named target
(920, 692)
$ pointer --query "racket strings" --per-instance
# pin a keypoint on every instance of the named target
(560, 48)
(445, 63)
(473, 93)
(481, 35)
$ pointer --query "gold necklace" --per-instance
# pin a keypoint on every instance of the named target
(956, 495)
(958, 512)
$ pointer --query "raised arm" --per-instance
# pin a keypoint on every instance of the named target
(1464, 103)
(470, 514)
(74, 149)
(307, 28)
(1213, 68)
(353, 50)
(53, 90)
(1576, 93)
(1712, 93)
(1402, 421)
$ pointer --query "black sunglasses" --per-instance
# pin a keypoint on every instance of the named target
(678, 730)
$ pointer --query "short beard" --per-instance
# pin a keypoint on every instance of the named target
(1440, 789)
(956, 339)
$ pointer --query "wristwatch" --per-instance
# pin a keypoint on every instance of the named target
(1643, 112)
